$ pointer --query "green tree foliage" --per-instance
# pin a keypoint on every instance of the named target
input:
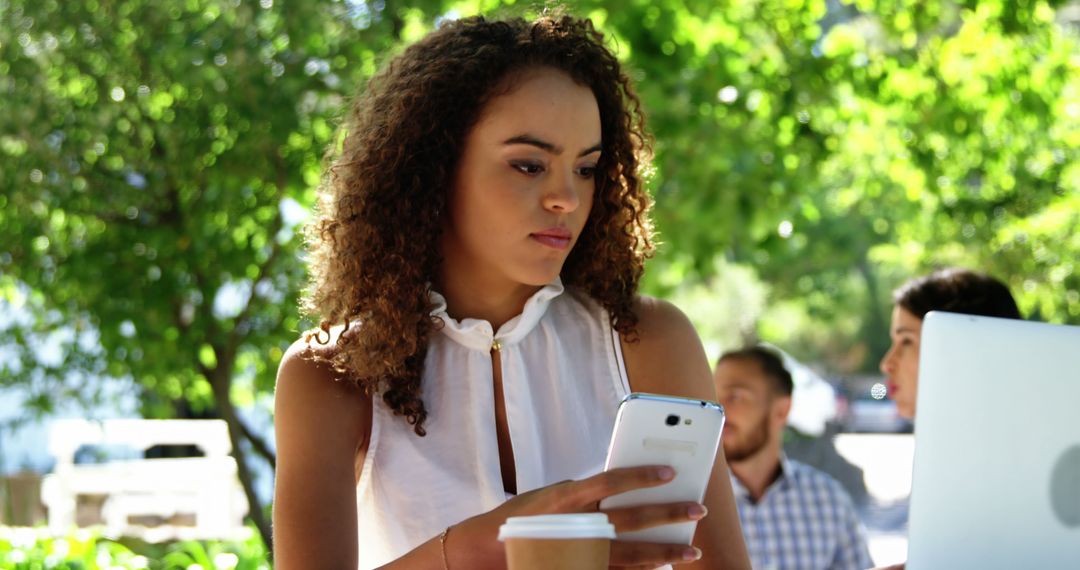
(33, 549)
(838, 151)
(153, 156)
(152, 152)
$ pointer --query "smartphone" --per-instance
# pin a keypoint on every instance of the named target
(664, 430)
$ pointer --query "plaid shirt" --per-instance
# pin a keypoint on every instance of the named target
(804, 521)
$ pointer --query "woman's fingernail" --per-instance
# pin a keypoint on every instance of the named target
(692, 553)
(697, 512)
(666, 473)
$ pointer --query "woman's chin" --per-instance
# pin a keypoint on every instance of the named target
(540, 276)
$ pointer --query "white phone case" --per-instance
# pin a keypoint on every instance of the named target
(664, 430)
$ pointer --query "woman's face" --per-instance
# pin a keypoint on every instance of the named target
(901, 363)
(525, 183)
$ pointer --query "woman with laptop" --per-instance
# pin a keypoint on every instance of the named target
(955, 290)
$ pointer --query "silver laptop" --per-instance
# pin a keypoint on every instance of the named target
(996, 480)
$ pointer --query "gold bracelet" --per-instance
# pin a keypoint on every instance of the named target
(442, 546)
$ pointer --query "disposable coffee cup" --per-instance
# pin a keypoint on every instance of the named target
(558, 542)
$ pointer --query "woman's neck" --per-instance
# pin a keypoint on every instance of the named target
(476, 298)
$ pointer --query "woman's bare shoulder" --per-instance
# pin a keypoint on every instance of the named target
(662, 326)
(666, 356)
(316, 345)
(310, 388)
(311, 357)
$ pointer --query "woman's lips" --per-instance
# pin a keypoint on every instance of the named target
(556, 238)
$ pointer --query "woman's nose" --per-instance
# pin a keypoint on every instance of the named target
(561, 195)
(886, 362)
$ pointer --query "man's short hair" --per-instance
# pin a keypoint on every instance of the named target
(772, 366)
(957, 290)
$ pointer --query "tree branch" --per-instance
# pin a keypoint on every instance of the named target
(243, 471)
(258, 443)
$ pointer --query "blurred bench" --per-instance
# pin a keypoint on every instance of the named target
(152, 499)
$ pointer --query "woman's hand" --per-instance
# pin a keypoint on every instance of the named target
(474, 541)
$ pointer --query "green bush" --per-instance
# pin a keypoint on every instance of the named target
(36, 549)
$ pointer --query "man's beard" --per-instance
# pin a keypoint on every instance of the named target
(752, 441)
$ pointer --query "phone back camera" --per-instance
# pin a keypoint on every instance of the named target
(672, 420)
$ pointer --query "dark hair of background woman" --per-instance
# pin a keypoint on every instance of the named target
(957, 290)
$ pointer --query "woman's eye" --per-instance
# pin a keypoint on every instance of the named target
(587, 171)
(530, 168)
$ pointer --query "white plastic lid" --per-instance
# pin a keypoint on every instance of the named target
(573, 525)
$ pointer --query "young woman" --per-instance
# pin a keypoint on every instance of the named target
(955, 290)
(474, 265)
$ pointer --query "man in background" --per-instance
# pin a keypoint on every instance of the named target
(793, 516)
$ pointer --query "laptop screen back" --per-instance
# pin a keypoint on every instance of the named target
(996, 480)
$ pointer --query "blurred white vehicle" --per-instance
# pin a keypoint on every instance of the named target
(870, 411)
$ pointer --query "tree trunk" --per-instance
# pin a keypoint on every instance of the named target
(220, 382)
(875, 328)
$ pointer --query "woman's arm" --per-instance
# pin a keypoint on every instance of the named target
(668, 358)
(321, 425)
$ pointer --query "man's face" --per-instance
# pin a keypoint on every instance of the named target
(754, 411)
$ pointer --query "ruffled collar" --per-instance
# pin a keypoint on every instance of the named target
(477, 334)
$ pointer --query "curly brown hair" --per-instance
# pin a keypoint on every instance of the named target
(373, 244)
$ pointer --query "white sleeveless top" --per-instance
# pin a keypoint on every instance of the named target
(563, 378)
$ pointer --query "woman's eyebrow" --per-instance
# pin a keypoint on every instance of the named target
(547, 146)
(594, 148)
(534, 141)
